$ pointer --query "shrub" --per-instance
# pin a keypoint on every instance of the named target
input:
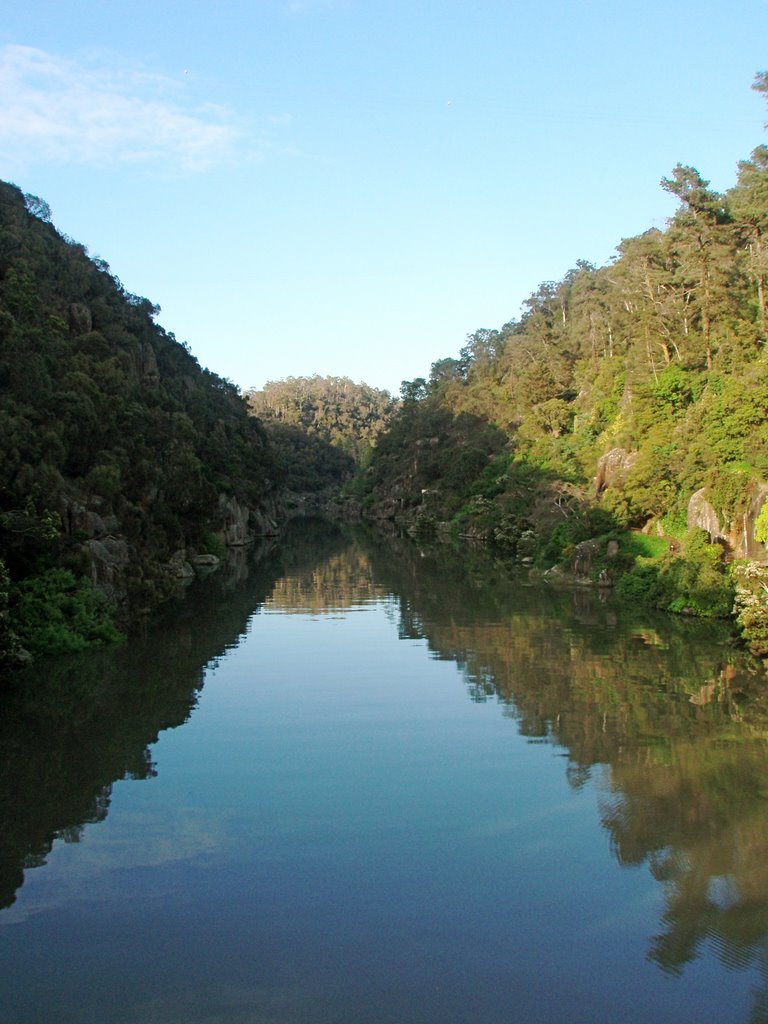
(425, 526)
(695, 582)
(589, 523)
(761, 525)
(751, 606)
(642, 584)
(214, 545)
(9, 642)
(55, 613)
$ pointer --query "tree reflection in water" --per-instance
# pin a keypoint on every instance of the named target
(71, 728)
(665, 716)
(668, 715)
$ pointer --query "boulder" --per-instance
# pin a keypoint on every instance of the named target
(605, 579)
(613, 468)
(205, 563)
(583, 556)
(81, 522)
(179, 566)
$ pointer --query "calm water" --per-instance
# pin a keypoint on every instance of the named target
(362, 782)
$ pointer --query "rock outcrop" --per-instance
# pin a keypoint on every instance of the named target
(241, 525)
(586, 566)
(109, 559)
(701, 515)
(613, 468)
(739, 535)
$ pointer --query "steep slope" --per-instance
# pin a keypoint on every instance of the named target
(120, 456)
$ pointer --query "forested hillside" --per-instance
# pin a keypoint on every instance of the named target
(630, 396)
(121, 459)
(321, 428)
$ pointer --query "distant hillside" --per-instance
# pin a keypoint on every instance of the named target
(322, 428)
(120, 457)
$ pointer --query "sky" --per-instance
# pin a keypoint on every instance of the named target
(351, 187)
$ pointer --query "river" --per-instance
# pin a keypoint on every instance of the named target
(357, 781)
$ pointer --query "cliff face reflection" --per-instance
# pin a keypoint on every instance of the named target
(663, 715)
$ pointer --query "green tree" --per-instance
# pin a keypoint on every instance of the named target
(701, 249)
(749, 204)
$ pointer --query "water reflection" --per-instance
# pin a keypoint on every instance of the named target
(664, 716)
(341, 583)
(69, 729)
(677, 714)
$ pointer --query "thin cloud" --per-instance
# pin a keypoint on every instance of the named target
(53, 108)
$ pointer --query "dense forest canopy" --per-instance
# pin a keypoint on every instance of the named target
(321, 428)
(118, 449)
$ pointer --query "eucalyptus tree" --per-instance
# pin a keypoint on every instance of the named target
(653, 310)
(702, 249)
(748, 201)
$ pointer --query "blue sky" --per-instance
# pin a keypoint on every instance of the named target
(350, 187)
